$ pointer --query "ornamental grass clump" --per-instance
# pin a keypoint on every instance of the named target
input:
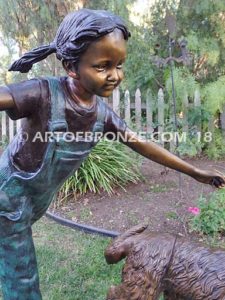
(109, 165)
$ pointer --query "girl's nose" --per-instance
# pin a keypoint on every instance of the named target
(113, 76)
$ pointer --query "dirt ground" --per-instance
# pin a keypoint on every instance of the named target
(162, 200)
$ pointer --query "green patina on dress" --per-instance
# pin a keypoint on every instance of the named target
(25, 196)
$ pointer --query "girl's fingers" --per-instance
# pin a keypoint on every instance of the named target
(221, 177)
(218, 182)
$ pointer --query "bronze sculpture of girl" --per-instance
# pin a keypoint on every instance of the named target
(92, 47)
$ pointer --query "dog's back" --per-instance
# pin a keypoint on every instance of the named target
(196, 272)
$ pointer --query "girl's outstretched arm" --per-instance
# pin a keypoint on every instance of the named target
(6, 100)
(158, 154)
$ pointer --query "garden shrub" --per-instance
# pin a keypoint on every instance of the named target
(211, 220)
(109, 165)
(216, 148)
(191, 147)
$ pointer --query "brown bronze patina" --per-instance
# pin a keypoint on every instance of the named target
(92, 47)
(163, 263)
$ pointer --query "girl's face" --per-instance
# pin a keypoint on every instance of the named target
(100, 68)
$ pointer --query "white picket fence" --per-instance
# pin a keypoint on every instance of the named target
(124, 106)
(132, 110)
(8, 128)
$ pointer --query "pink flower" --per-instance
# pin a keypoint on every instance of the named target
(194, 210)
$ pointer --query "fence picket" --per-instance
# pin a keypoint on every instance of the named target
(127, 107)
(138, 109)
(160, 113)
(11, 130)
(116, 101)
(222, 118)
(185, 110)
(197, 98)
(4, 132)
(149, 111)
(18, 124)
(197, 103)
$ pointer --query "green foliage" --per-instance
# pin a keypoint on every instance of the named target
(185, 84)
(201, 22)
(116, 6)
(214, 94)
(190, 147)
(198, 116)
(110, 164)
(197, 137)
(216, 148)
(211, 220)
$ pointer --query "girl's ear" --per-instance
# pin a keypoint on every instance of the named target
(70, 69)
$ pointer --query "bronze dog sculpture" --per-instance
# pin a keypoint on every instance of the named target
(162, 263)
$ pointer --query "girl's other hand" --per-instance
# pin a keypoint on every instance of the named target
(214, 177)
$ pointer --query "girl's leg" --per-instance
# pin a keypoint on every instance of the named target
(18, 267)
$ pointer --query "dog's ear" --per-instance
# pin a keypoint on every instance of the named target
(134, 230)
(120, 247)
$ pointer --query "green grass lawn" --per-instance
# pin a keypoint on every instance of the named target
(72, 264)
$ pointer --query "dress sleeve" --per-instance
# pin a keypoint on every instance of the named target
(26, 96)
(113, 124)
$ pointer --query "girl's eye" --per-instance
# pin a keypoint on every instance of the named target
(100, 68)
(119, 66)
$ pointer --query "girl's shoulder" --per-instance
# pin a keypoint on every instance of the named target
(27, 95)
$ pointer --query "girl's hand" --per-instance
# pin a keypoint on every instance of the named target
(215, 178)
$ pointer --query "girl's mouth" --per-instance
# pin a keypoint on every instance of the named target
(109, 87)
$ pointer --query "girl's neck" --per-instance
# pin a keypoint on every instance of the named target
(78, 94)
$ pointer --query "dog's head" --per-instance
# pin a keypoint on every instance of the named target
(119, 247)
(148, 255)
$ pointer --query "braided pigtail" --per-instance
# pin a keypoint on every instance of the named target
(25, 63)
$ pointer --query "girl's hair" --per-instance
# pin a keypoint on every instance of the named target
(75, 33)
